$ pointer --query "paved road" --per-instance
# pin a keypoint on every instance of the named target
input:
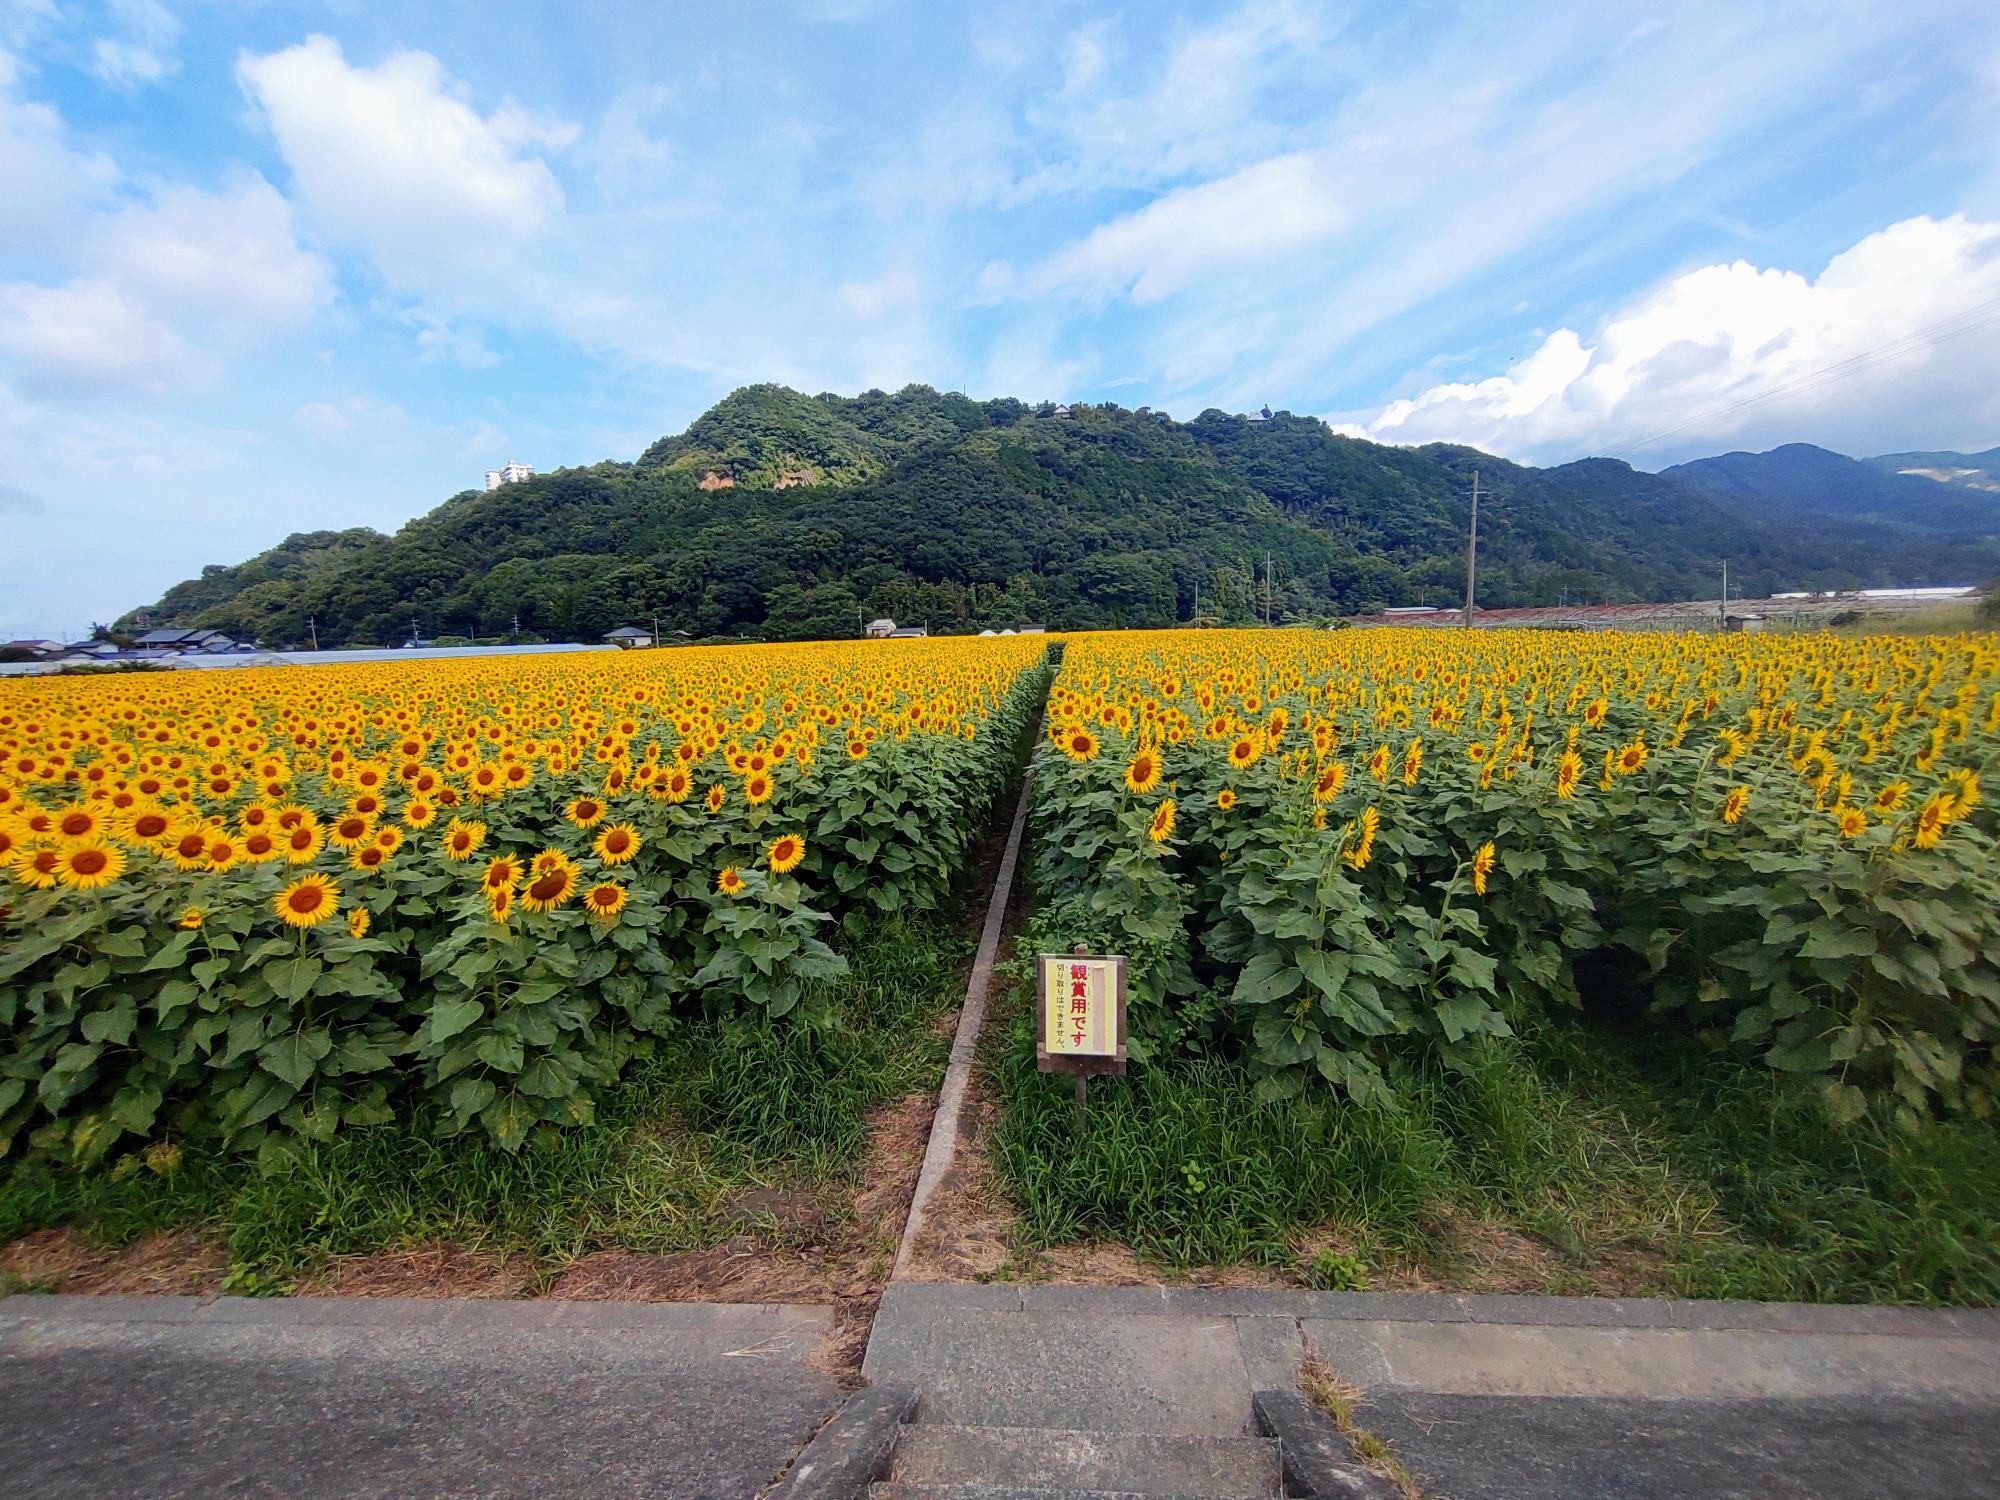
(117, 1396)
(1491, 1398)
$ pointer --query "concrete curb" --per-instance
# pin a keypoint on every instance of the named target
(851, 1451)
(943, 1143)
(466, 1314)
(1446, 1307)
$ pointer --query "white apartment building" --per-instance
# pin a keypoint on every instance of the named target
(513, 473)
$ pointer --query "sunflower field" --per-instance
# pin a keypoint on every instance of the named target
(256, 904)
(1322, 850)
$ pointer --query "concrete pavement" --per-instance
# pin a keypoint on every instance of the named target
(125, 1396)
(1551, 1398)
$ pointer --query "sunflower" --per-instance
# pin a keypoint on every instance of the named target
(368, 858)
(462, 840)
(729, 882)
(35, 866)
(1933, 819)
(192, 918)
(757, 789)
(785, 854)
(303, 843)
(79, 823)
(1226, 798)
(1162, 827)
(1569, 770)
(1364, 847)
(585, 812)
(1330, 781)
(717, 795)
(1966, 798)
(223, 852)
(1244, 751)
(307, 901)
(260, 846)
(357, 922)
(1078, 743)
(89, 866)
(419, 814)
(1632, 757)
(1851, 821)
(1734, 804)
(605, 900)
(1482, 866)
(1143, 774)
(1378, 763)
(146, 825)
(187, 847)
(551, 887)
(1892, 796)
(618, 844)
(1413, 762)
(351, 830)
(500, 902)
(502, 870)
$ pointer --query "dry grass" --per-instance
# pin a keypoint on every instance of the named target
(181, 1263)
(1324, 1387)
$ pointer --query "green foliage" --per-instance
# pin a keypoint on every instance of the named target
(1616, 1148)
(716, 1108)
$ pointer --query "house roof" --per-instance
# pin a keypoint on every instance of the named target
(166, 637)
(627, 633)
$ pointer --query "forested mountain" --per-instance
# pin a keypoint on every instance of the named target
(1973, 471)
(1937, 493)
(781, 515)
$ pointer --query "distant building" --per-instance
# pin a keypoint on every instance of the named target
(509, 473)
(881, 630)
(1034, 630)
(1060, 411)
(1261, 414)
(628, 637)
(908, 633)
(177, 642)
(34, 647)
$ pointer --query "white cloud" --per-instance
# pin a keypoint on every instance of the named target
(327, 420)
(393, 160)
(892, 294)
(1261, 213)
(1895, 335)
(166, 290)
(139, 48)
(49, 184)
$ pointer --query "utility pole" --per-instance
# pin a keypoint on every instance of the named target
(1472, 552)
(1267, 590)
(517, 627)
(312, 626)
(1723, 623)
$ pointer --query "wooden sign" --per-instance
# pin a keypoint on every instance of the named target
(1082, 1003)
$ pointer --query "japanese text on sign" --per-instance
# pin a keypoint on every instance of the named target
(1080, 999)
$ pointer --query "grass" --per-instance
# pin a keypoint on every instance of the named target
(1630, 1157)
(719, 1109)
(1323, 1386)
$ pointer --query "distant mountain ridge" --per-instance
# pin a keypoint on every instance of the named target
(782, 515)
(1946, 494)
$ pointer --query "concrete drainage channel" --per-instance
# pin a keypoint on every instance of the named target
(870, 1448)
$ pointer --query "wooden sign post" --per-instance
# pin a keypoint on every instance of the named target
(1082, 1029)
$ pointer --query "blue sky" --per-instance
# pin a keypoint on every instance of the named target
(268, 267)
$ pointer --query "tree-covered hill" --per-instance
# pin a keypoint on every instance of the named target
(964, 514)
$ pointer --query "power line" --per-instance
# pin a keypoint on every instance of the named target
(1981, 315)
